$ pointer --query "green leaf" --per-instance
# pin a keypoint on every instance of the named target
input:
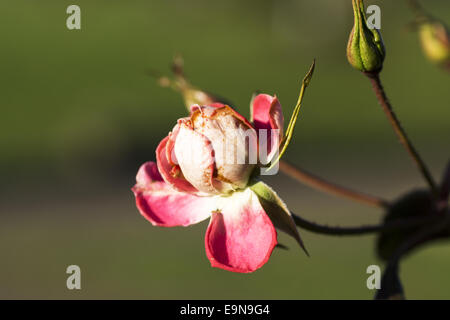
(277, 211)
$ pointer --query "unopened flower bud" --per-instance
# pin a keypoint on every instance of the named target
(435, 39)
(365, 49)
(433, 34)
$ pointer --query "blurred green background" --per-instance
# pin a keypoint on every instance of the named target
(79, 115)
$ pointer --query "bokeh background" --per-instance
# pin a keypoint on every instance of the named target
(79, 114)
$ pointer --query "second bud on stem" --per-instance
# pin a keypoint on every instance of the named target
(365, 49)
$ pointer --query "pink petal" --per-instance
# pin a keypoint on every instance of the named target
(148, 173)
(217, 105)
(267, 114)
(169, 172)
(240, 236)
(164, 206)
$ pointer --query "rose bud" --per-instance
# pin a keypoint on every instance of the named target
(435, 40)
(434, 35)
(203, 170)
(219, 141)
(365, 49)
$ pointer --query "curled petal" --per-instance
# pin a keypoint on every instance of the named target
(195, 156)
(164, 206)
(170, 145)
(240, 236)
(216, 105)
(169, 172)
(234, 142)
(267, 114)
(148, 175)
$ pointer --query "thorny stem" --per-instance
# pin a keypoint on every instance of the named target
(320, 184)
(349, 231)
(395, 122)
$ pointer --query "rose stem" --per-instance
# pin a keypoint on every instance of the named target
(395, 122)
(328, 187)
(349, 231)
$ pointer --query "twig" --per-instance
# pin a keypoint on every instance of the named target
(395, 122)
(328, 187)
(361, 230)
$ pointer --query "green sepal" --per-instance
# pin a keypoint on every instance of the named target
(277, 211)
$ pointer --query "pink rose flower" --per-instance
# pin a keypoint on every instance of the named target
(203, 170)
